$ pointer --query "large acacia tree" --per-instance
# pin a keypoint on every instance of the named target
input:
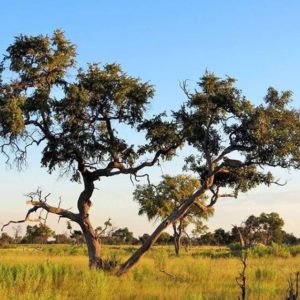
(235, 144)
(158, 202)
(75, 121)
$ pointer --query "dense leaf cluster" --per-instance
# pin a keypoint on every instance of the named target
(78, 120)
(233, 138)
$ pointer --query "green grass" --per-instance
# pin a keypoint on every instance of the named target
(60, 272)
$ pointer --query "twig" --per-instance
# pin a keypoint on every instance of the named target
(170, 275)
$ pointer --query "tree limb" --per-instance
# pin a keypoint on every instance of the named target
(27, 218)
(95, 175)
(64, 213)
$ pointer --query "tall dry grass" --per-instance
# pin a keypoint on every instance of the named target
(60, 272)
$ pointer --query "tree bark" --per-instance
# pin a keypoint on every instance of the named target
(177, 244)
(93, 245)
(177, 236)
(177, 214)
(241, 238)
(84, 204)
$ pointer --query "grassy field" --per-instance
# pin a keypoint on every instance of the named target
(60, 272)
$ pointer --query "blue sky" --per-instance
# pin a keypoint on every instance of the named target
(166, 42)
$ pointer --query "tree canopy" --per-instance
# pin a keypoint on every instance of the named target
(75, 121)
(37, 234)
(265, 229)
(75, 117)
(219, 121)
(159, 201)
(234, 142)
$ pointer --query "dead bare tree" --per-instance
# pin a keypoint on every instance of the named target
(241, 280)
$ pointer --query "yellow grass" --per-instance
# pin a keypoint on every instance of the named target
(42, 273)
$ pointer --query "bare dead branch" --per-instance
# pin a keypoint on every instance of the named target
(184, 86)
(27, 218)
(63, 213)
(143, 175)
(45, 198)
(131, 179)
(278, 183)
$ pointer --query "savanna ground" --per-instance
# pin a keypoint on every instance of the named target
(60, 272)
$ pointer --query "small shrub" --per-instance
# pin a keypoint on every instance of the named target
(280, 250)
(294, 250)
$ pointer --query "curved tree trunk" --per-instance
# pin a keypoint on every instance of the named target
(93, 245)
(84, 204)
(177, 214)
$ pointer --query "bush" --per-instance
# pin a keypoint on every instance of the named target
(276, 250)
(295, 250)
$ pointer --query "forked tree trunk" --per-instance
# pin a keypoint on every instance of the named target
(176, 215)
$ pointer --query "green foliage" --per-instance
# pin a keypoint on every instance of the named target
(221, 237)
(294, 250)
(40, 58)
(164, 239)
(275, 250)
(5, 239)
(11, 118)
(39, 281)
(218, 121)
(80, 126)
(161, 132)
(264, 229)
(199, 229)
(122, 236)
(274, 131)
(159, 201)
(37, 234)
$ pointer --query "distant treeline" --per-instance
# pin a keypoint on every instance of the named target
(264, 229)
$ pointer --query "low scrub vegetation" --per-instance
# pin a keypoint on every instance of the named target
(35, 271)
